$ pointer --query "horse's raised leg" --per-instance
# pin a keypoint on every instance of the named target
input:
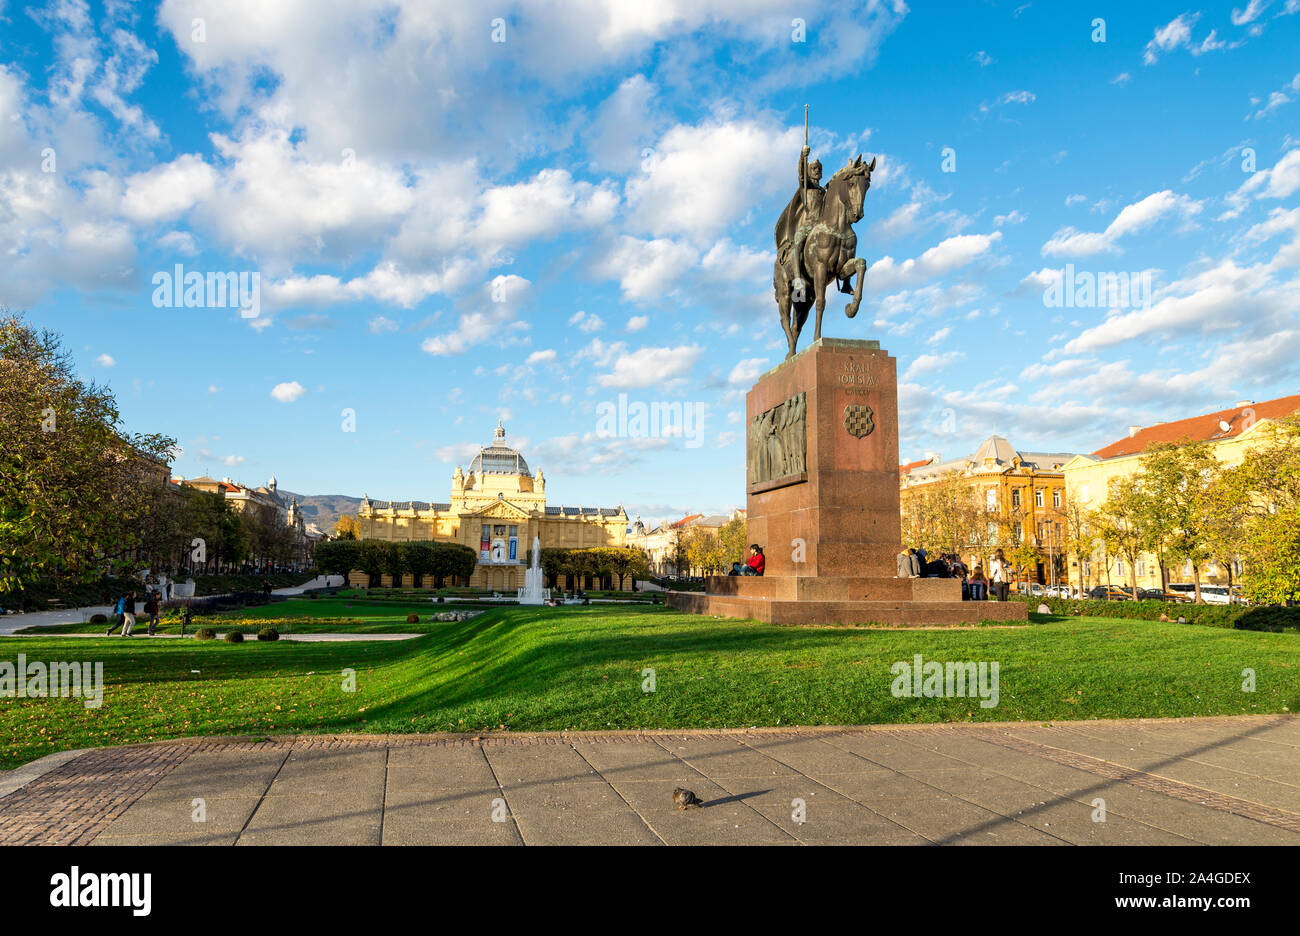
(859, 266)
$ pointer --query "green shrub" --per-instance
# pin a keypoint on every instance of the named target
(268, 633)
(205, 633)
(1239, 617)
(234, 636)
(412, 619)
(98, 619)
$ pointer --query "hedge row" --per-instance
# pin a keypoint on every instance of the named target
(36, 597)
(1240, 617)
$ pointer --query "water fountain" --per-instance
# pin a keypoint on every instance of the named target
(533, 593)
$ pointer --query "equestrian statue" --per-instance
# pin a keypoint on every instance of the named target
(815, 243)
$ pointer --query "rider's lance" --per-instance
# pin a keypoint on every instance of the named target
(803, 169)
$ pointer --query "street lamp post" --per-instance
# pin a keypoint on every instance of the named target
(1051, 555)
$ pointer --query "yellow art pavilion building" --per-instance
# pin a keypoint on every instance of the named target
(496, 508)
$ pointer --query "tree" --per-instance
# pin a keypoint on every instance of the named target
(1025, 556)
(1224, 508)
(345, 527)
(734, 538)
(628, 560)
(1119, 521)
(1266, 490)
(418, 559)
(1080, 538)
(75, 491)
(1175, 479)
(338, 557)
(451, 560)
(704, 551)
(554, 562)
(577, 562)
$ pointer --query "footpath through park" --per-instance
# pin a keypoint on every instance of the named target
(1223, 780)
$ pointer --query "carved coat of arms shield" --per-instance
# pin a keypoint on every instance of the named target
(859, 420)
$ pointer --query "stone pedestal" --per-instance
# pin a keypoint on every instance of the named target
(822, 478)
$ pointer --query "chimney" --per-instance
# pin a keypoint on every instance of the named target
(1133, 430)
(933, 457)
(1241, 403)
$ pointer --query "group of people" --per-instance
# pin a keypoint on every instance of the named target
(976, 583)
(124, 613)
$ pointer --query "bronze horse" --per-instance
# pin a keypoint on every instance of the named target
(829, 253)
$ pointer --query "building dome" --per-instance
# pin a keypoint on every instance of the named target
(499, 458)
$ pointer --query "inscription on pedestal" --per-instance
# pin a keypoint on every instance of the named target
(777, 445)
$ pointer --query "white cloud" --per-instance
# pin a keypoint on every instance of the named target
(168, 190)
(637, 322)
(105, 360)
(1018, 97)
(930, 363)
(1249, 14)
(585, 322)
(1177, 33)
(645, 269)
(948, 255)
(542, 357)
(488, 320)
(648, 367)
(672, 196)
(1280, 181)
(746, 371)
(287, 392)
(1068, 241)
(178, 242)
(380, 324)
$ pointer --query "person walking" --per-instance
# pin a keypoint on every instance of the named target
(119, 616)
(151, 608)
(128, 615)
(1000, 576)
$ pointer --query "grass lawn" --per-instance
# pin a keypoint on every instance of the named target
(581, 668)
(301, 616)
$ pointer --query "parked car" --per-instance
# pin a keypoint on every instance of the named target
(1102, 593)
(1216, 594)
(1155, 594)
(1062, 591)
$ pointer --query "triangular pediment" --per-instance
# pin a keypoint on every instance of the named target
(500, 510)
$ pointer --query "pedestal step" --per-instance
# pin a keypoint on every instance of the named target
(833, 588)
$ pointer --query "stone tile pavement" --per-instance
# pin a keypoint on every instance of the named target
(1178, 781)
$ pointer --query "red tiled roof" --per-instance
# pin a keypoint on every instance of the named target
(1205, 428)
(905, 469)
(684, 521)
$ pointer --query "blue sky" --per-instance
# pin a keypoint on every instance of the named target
(450, 229)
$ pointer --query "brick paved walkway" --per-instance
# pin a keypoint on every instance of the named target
(1184, 781)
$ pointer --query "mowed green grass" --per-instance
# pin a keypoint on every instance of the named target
(581, 668)
(299, 615)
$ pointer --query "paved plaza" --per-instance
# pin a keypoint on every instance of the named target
(1180, 781)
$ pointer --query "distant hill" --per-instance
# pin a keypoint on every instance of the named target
(324, 509)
